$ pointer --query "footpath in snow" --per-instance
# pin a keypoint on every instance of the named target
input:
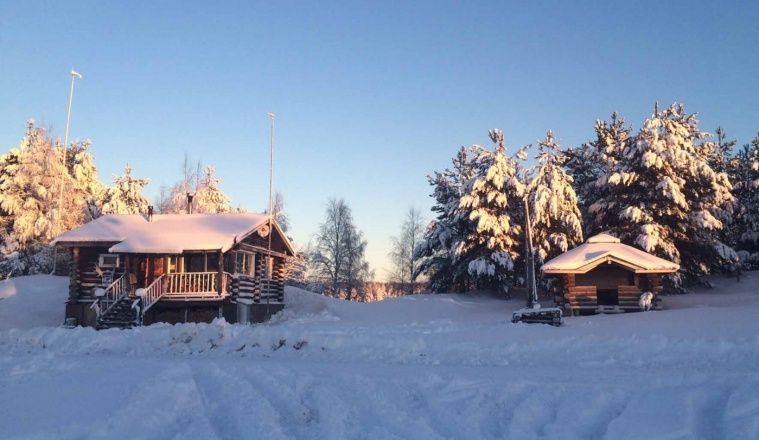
(427, 366)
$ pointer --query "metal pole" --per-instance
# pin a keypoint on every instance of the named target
(532, 297)
(271, 204)
(74, 74)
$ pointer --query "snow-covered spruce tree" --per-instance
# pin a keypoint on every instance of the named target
(490, 209)
(556, 223)
(721, 154)
(744, 174)
(663, 196)
(125, 196)
(436, 251)
(209, 198)
(41, 197)
(591, 161)
(86, 195)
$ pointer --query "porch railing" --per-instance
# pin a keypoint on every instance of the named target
(195, 283)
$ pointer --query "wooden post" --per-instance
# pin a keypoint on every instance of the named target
(74, 275)
(220, 280)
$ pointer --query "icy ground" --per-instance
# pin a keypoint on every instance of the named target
(424, 367)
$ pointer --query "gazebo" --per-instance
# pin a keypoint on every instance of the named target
(605, 275)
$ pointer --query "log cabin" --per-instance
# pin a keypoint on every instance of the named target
(604, 275)
(134, 270)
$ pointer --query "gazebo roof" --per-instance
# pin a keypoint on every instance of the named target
(605, 248)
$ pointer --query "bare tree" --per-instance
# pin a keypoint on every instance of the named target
(339, 253)
(280, 216)
(405, 262)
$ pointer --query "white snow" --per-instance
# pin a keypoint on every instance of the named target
(422, 367)
(33, 301)
(604, 247)
(169, 233)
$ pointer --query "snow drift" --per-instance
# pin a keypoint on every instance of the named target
(442, 366)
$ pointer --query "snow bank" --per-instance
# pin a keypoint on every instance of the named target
(427, 366)
(32, 301)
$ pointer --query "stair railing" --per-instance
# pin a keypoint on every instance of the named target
(113, 293)
(150, 295)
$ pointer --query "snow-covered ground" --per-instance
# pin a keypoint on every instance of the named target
(444, 366)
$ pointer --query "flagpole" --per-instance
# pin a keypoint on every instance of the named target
(270, 261)
(74, 75)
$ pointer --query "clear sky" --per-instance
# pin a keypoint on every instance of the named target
(369, 96)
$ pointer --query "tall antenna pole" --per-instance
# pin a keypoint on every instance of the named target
(74, 76)
(270, 259)
(271, 177)
(57, 223)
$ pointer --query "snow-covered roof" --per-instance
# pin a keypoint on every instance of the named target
(603, 248)
(170, 233)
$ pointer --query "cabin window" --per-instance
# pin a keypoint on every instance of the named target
(245, 263)
(269, 267)
(195, 262)
(212, 262)
(108, 260)
(171, 264)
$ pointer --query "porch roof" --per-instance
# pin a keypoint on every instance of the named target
(168, 234)
(604, 248)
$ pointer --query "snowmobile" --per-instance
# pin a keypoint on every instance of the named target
(533, 313)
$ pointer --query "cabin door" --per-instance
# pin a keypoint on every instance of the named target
(608, 297)
(150, 269)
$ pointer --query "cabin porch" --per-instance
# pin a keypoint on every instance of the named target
(191, 287)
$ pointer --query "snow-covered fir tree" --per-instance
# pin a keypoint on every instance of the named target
(209, 199)
(86, 195)
(744, 174)
(663, 196)
(556, 221)
(125, 195)
(31, 186)
(591, 161)
(41, 197)
(436, 251)
(490, 209)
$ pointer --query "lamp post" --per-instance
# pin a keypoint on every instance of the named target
(74, 75)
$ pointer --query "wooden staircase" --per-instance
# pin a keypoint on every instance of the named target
(120, 315)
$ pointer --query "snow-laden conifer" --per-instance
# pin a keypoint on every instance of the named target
(744, 173)
(591, 161)
(490, 210)
(556, 222)
(436, 251)
(209, 199)
(663, 196)
(125, 196)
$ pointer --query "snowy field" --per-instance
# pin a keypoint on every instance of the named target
(423, 367)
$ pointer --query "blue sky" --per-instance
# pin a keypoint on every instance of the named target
(369, 96)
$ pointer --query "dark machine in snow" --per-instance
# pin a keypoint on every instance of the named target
(533, 313)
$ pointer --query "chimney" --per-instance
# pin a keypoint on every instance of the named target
(189, 202)
(150, 213)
